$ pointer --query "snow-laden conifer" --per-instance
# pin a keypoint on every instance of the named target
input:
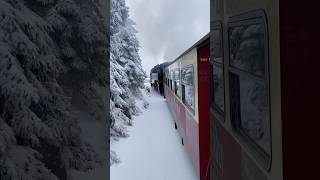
(45, 46)
(126, 73)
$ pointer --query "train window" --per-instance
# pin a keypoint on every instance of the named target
(183, 95)
(187, 86)
(217, 45)
(167, 78)
(217, 87)
(177, 82)
(249, 86)
(247, 48)
(171, 78)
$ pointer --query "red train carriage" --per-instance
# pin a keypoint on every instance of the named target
(265, 90)
(187, 91)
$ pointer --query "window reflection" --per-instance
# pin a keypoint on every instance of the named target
(249, 88)
(247, 48)
(218, 87)
(255, 111)
(177, 82)
(216, 45)
(187, 88)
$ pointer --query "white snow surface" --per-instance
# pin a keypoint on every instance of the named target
(153, 150)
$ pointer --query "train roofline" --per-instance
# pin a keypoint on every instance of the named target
(203, 39)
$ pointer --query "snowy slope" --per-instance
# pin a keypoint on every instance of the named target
(153, 150)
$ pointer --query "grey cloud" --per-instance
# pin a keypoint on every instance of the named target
(168, 27)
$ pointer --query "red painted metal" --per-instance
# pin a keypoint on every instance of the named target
(187, 127)
(226, 160)
(229, 160)
(204, 70)
(192, 141)
(300, 88)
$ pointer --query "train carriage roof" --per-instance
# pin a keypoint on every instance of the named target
(198, 43)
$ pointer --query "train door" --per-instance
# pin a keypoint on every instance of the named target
(203, 68)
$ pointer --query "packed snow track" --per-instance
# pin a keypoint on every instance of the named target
(153, 150)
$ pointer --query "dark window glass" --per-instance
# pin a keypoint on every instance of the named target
(172, 79)
(247, 48)
(216, 47)
(177, 83)
(251, 108)
(188, 90)
(183, 90)
(175, 89)
(168, 77)
(218, 86)
(249, 89)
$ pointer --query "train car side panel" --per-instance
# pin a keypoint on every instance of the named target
(186, 117)
(190, 59)
(192, 117)
(251, 161)
(177, 110)
(192, 141)
(187, 127)
(226, 160)
(204, 108)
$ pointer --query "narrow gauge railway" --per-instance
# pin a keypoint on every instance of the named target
(245, 97)
(187, 89)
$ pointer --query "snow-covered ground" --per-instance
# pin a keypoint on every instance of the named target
(153, 150)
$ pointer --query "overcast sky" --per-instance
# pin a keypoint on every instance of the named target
(166, 28)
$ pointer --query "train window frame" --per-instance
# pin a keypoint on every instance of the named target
(245, 19)
(193, 86)
(217, 25)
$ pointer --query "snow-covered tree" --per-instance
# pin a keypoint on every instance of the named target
(126, 73)
(45, 46)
